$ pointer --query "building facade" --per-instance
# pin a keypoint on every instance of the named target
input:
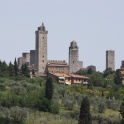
(57, 66)
(110, 59)
(70, 79)
(41, 49)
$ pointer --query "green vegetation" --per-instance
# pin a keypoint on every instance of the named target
(15, 67)
(39, 101)
(85, 116)
(49, 88)
(122, 112)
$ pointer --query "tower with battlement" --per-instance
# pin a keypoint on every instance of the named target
(74, 64)
(110, 59)
(41, 49)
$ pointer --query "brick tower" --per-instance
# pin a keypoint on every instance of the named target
(110, 59)
(41, 49)
(73, 57)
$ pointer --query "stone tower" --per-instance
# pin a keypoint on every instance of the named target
(41, 49)
(27, 58)
(32, 57)
(110, 59)
(122, 64)
(73, 57)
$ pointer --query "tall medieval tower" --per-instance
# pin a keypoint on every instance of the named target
(110, 59)
(41, 49)
(73, 57)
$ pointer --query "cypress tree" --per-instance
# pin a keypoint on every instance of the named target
(25, 70)
(15, 67)
(11, 69)
(85, 116)
(49, 88)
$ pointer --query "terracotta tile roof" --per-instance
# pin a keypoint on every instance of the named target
(69, 75)
(60, 75)
(78, 76)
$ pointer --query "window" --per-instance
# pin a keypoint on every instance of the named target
(42, 60)
(73, 61)
(43, 37)
(42, 67)
(43, 56)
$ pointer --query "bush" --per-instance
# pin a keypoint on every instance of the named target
(2, 87)
(17, 90)
(113, 104)
(18, 114)
(101, 107)
(55, 108)
(9, 100)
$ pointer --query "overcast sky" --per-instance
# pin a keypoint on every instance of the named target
(96, 25)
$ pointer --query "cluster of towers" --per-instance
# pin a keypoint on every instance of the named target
(38, 58)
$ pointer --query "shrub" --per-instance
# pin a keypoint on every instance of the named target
(101, 107)
(2, 87)
(55, 108)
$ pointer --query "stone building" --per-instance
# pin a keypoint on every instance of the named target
(110, 59)
(27, 58)
(74, 64)
(92, 67)
(70, 79)
(21, 60)
(122, 64)
(32, 57)
(57, 66)
(41, 49)
(121, 71)
(37, 59)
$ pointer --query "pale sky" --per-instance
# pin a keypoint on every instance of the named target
(96, 25)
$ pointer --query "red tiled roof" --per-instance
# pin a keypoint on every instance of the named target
(60, 74)
(69, 75)
(78, 76)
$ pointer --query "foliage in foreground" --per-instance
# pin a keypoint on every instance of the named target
(85, 116)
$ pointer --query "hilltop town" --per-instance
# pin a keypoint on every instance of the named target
(37, 59)
(56, 91)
